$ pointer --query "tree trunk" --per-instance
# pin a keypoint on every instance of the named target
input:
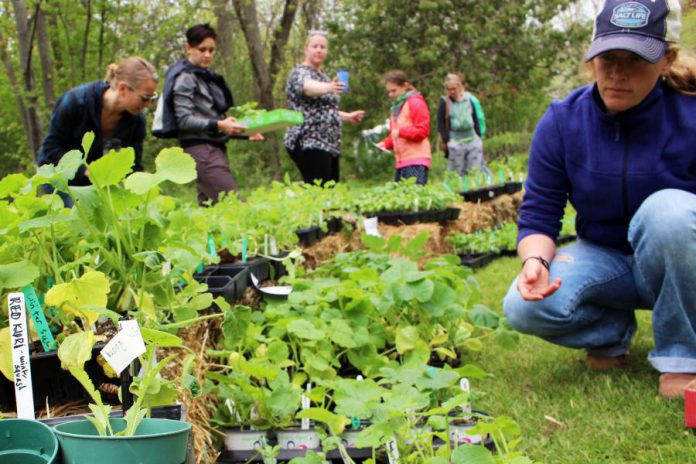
(265, 74)
(248, 20)
(32, 124)
(46, 59)
(102, 25)
(16, 90)
(85, 39)
(225, 34)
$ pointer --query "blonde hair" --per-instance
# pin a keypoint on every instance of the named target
(399, 78)
(680, 77)
(132, 70)
(454, 78)
(314, 33)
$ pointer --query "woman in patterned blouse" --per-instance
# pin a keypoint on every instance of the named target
(315, 146)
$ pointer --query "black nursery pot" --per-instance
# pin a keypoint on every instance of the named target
(308, 236)
(476, 260)
(482, 194)
(453, 213)
(54, 385)
(513, 187)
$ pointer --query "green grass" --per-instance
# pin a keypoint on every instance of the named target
(605, 417)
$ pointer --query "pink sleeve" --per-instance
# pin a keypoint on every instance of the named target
(420, 117)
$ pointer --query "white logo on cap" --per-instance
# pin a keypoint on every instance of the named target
(630, 15)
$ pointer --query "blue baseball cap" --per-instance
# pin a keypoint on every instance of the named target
(644, 27)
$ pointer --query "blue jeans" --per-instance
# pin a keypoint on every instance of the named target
(601, 288)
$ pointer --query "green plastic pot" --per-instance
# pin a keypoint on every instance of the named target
(156, 441)
(25, 441)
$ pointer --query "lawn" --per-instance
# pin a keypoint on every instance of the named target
(569, 414)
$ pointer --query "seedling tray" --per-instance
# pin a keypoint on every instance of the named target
(240, 457)
(271, 121)
(482, 194)
(476, 260)
(259, 266)
(52, 382)
(513, 187)
(308, 236)
(219, 285)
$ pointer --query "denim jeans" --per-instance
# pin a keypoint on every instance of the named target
(601, 288)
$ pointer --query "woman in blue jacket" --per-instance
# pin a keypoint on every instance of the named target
(112, 109)
(623, 152)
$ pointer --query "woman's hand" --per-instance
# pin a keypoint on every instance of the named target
(355, 117)
(533, 283)
(229, 126)
(256, 137)
(335, 86)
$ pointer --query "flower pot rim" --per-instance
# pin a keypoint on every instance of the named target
(186, 427)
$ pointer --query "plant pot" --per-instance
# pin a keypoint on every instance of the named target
(476, 260)
(453, 213)
(156, 441)
(334, 224)
(296, 438)
(513, 187)
(237, 439)
(459, 430)
(173, 412)
(54, 385)
(220, 285)
(308, 236)
(25, 441)
(277, 268)
(482, 194)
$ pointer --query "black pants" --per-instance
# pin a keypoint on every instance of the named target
(316, 164)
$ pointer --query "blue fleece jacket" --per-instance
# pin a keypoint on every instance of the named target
(607, 165)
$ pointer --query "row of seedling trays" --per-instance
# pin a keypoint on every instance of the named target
(491, 191)
(413, 217)
(478, 260)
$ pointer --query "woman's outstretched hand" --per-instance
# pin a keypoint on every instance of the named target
(533, 283)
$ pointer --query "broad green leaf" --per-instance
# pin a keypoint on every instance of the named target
(159, 338)
(146, 306)
(46, 221)
(442, 298)
(111, 168)
(278, 351)
(356, 398)
(336, 423)
(234, 326)
(87, 141)
(471, 371)
(176, 166)
(312, 457)
(508, 339)
(17, 275)
(436, 460)
(6, 365)
(341, 333)
(418, 356)
(473, 344)
(11, 184)
(69, 164)
(304, 329)
(472, 454)
(76, 350)
(142, 182)
(406, 338)
(91, 289)
(483, 316)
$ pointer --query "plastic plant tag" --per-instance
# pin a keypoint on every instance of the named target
(501, 176)
(321, 217)
(274, 246)
(370, 225)
(466, 185)
(280, 290)
(393, 452)
(306, 405)
(447, 187)
(124, 347)
(21, 366)
(521, 177)
(166, 268)
(415, 205)
(265, 244)
(96, 260)
(430, 203)
(464, 385)
(211, 247)
(38, 318)
(245, 245)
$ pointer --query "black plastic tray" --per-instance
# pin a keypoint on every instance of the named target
(476, 260)
(308, 236)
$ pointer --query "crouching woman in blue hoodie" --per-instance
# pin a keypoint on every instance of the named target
(623, 152)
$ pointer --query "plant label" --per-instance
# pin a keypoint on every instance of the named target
(166, 268)
(393, 452)
(278, 290)
(21, 366)
(124, 347)
(38, 318)
(370, 225)
(274, 246)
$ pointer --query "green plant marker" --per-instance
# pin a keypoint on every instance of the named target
(447, 187)
(39, 319)
(501, 175)
(355, 422)
(245, 244)
(466, 185)
(199, 269)
(211, 247)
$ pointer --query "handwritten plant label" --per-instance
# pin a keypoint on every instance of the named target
(124, 347)
(38, 318)
(371, 226)
(21, 366)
